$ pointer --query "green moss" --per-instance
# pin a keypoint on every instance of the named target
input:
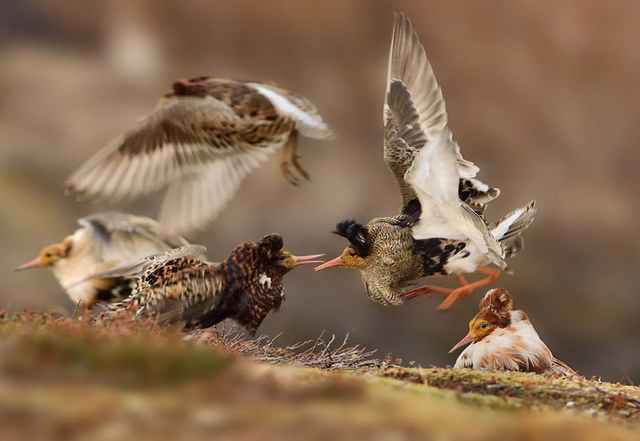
(125, 353)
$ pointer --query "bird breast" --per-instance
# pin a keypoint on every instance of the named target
(515, 348)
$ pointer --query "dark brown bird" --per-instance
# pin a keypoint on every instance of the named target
(179, 288)
(103, 241)
(441, 227)
(201, 140)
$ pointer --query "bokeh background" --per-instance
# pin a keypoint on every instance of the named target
(543, 96)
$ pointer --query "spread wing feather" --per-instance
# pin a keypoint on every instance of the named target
(420, 149)
(414, 111)
(187, 138)
(122, 237)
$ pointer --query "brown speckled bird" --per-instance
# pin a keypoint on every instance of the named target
(201, 140)
(105, 240)
(503, 339)
(179, 288)
(441, 227)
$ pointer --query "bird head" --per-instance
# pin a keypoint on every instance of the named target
(354, 255)
(270, 248)
(49, 256)
(495, 312)
(288, 261)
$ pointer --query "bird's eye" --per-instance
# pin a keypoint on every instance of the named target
(282, 257)
(484, 325)
(47, 255)
(352, 253)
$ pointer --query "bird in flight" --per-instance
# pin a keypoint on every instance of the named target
(201, 141)
(441, 227)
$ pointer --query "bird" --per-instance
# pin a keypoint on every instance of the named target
(177, 287)
(201, 140)
(441, 227)
(104, 240)
(503, 339)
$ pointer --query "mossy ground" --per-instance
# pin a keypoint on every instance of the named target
(123, 379)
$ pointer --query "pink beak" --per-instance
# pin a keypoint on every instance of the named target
(465, 341)
(330, 264)
(306, 260)
(35, 263)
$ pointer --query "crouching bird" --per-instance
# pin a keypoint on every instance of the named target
(501, 338)
(177, 287)
(441, 227)
(201, 140)
(103, 241)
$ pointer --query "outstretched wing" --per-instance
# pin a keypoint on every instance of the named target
(414, 111)
(122, 237)
(198, 144)
(427, 161)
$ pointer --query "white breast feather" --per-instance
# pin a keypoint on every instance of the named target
(265, 280)
(504, 348)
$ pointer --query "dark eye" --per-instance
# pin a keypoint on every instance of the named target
(484, 325)
(47, 255)
(352, 253)
(282, 257)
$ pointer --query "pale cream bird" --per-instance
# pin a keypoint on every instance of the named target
(501, 338)
(201, 141)
(103, 241)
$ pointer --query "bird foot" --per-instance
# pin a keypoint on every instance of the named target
(285, 168)
(292, 170)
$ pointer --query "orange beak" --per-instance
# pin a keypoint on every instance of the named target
(306, 260)
(35, 263)
(465, 341)
(330, 264)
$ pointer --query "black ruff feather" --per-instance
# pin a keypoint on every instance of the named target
(355, 233)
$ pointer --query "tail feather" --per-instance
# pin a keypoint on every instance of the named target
(508, 230)
(476, 194)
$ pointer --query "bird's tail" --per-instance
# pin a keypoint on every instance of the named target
(560, 369)
(476, 194)
(508, 230)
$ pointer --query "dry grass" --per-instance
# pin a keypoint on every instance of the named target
(118, 378)
(316, 353)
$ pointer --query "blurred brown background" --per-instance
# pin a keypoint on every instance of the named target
(543, 96)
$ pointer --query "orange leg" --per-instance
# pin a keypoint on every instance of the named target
(429, 289)
(466, 290)
(426, 290)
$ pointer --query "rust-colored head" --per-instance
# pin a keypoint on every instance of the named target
(495, 312)
(48, 256)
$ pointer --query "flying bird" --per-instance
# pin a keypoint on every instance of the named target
(201, 140)
(179, 287)
(103, 241)
(501, 338)
(441, 227)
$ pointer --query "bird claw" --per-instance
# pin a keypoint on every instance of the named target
(285, 168)
(296, 163)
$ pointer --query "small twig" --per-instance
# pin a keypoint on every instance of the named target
(75, 311)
